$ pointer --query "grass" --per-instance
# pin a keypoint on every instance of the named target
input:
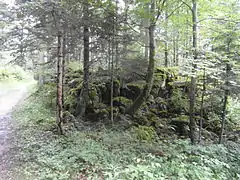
(103, 153)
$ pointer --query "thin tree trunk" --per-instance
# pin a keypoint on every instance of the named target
(177, 49)
(146, 32)
(192, 124)
(59, 83)
(202, 103)
(41, 67)
(111, 95)
(83, 100)
(147, 88)
(174, 51)
(226, 94)
(166, 63)
(63, 65)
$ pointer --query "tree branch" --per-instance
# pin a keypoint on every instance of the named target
(187, 5)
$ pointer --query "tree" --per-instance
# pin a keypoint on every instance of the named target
(192, 124)
(83, 101)
(147, 88)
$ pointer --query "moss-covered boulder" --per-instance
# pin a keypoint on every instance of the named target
(162, 78)
(180, 125)
(104, 90)
(132, 90)
(158, 106)
(96, 112)
(122, 103)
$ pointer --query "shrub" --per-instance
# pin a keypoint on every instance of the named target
(144, 133)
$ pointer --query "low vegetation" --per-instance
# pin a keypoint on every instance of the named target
(98, 151)
(12, 73)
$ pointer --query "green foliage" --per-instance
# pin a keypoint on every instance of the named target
(144, 133)
(74, 66)
(179, 100)
(234, 113)
(15, 73)
(122, 101)
(107, 154)
(48, 92)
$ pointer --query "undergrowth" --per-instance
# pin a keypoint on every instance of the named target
(110, 154)
(12, 73)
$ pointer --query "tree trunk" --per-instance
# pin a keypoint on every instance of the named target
(177, 49)
(166, 63)
(63, 65)
(146, 33)
(202, 103)
(83, 100)
(59, 83)
(41, 67)
(192, 124)
(148, 87)
(226, 94)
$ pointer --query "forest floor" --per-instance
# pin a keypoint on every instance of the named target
(10, 95)
(31, 149)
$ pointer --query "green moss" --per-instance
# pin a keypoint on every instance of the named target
(93, 93)
(116, 82)
(122, 101)
(162, 73)
(70, 103)
(153, 110)
(144, 133)
(183, 118)
(163, 112)
(179, 101)
(137, 84)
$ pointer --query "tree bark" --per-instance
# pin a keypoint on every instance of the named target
(63, 65)
(166, 63)
(192, 124)
(84, 97)
(148, 87)
(202, 103)
(146, 32)
(226, 94)
(59, 83)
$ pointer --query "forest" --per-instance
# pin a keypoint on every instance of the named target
(119, 89)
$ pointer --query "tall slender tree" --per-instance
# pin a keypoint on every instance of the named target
(192, 124)
(83, 100)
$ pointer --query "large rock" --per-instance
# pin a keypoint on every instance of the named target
(132, 90)
(180, 125)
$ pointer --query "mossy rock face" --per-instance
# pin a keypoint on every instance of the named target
(158, 106)
(73, 74)
(75, 86)
(98, 111)
(132, 90)
(122, 102)
(181, 124)
(165, 71)
(94, 95)
(68, 117)
(234, 136)
(116, 88)
(104, 90)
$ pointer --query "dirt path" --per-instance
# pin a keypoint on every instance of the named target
(9, 97)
